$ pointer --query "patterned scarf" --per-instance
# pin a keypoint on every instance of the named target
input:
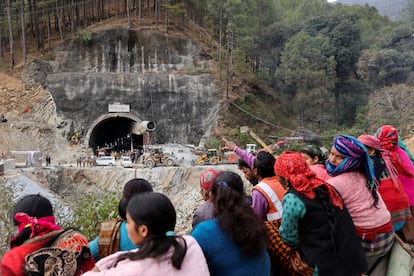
(355, 156)
(38, 226)
(293, 167)
(373, 142)
(388, 136)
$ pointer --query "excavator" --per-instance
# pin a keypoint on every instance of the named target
(216, 156)
(210, 157)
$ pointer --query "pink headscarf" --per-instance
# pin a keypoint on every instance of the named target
(373, 142)
(38, 226)
(388, 136)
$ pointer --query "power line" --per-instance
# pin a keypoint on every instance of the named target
(258, 118)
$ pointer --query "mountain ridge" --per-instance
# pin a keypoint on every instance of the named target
(395, 9)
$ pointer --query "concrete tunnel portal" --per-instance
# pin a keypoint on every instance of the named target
(114, 132)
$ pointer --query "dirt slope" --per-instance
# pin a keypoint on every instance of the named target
(31, 115)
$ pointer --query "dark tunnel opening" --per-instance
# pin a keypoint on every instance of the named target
(114, 135)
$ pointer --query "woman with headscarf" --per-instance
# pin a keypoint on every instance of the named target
(40, 246)
(388, 136)
(316, 221)
(353, 176)
(390, 188)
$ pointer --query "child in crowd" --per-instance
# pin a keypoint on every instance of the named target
(234, 242)
(151, 219)
(316, 160)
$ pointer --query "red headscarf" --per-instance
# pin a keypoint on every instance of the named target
(292, 166)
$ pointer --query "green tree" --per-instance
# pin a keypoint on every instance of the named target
(307, 68)
(385, 67)
(342, 29)
(89, 210)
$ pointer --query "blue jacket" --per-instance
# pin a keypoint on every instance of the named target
(125, 243)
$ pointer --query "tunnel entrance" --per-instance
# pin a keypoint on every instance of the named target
(113, 133)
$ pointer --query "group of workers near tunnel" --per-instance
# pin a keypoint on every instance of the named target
(334, 217)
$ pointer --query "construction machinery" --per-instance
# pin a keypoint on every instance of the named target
(209, 157)
(155, 156)
(216, 156)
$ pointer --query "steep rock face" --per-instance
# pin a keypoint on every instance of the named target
(162, 78)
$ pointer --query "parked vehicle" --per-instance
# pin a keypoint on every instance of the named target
(126, 162)
(105, 161)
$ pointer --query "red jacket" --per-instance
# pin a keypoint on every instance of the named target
(12, 263)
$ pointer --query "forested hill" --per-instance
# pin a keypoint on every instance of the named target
(346, 68)
(394, 9)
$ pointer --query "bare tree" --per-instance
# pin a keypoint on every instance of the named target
(220, 36)
(392, 105)
(1, 42)
(23, 31)
(139, 12)
(129, 13)
(12, 62)
(58, 20)
(156, 7)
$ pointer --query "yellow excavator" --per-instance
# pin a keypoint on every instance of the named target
(210, 157)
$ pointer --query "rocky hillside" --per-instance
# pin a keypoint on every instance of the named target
(181, 184)
(32, 120)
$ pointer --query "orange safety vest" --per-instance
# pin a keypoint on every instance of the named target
(273, 191)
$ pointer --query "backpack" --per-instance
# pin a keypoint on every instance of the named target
(67, 253)
(109, 237)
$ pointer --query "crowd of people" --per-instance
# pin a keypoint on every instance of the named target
(308, 214)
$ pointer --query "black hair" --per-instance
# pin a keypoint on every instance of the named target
(264, 163)
(157, 213)
(131, 188)
(313, 151)
(35, 206)
(242, 164)
(235, 216)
